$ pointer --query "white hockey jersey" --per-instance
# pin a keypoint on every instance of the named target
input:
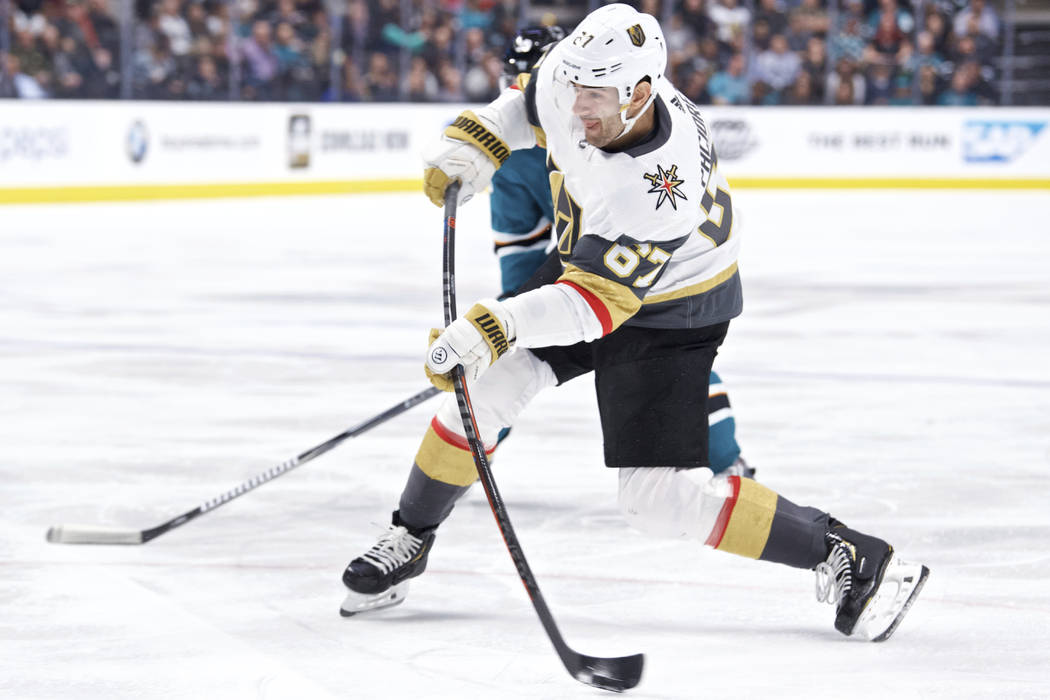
(647, 235)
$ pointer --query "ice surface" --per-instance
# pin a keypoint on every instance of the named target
(891, 367)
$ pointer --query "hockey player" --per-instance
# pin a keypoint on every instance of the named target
(521, 216)
(649, 284)
(520, 204)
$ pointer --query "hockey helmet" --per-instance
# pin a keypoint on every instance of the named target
(614, 46)
(527, 47)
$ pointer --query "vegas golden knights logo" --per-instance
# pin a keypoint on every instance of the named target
(636, 34)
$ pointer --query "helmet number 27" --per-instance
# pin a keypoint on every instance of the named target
(582, 39)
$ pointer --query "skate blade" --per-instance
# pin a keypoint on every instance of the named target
(900, 587)
(357, 603)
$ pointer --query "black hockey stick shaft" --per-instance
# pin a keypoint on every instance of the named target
(83, 535)
(616, 674)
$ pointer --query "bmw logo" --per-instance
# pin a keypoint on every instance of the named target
(137, 142)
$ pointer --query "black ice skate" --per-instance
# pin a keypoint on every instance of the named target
(379, 577)
(872, 587)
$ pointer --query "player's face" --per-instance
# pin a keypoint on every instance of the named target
(599, 110)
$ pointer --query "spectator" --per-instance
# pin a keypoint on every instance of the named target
(773, 14)
(848, 39)
(694, 15)
(421, 85)
(352, 87)
(296, 76)
(978, 46)
(879, 84)
(926, 51)
(153, 68)
(731, 20)
(985, 21)
(439, 45)
(709, 55)
(936, 25)
(695, 84)
(206, 83)
(802, 92)
(890, 8)
(286, 12)
(929, 85)
(778, 66)
(730, 86)
(960, 93)
(481, 81)
(71, 63)
(380, 80)
(903, 92)
(104, 26)
(844, 96)
(102, 81)
(357, 31)
(450, 83)
(815, 63)
(175, 27)
(809, 19)
(260, 62)
(888, 35)
(21, 84)
(845, 72)
(33, 60)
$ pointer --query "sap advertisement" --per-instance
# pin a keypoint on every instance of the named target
(882, 142)
(54, 144)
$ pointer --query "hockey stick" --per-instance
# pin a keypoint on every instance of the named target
(95, 534)
(616, 674)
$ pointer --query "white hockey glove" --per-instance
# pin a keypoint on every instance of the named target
(476, 340)
(469, 151)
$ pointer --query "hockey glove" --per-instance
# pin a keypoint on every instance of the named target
(475, 341)
(469, 152)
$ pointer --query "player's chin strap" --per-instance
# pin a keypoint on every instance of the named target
(629, 122)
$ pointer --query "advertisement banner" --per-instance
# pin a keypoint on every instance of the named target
(904, 143)
(77, 151)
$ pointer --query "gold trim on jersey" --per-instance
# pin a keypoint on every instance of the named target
(693, 289)
(748, 529)
(445, 462)
(617, 298)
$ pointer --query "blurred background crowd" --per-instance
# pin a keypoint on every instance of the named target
(758, 52)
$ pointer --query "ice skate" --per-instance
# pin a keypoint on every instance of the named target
(379, 578)
(872, 587)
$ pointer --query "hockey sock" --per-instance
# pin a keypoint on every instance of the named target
(758, 523)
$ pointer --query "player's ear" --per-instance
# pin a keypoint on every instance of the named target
(642, 90)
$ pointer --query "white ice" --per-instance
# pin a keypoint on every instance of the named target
(891, 367)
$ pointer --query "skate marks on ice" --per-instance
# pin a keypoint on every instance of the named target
(154, 355)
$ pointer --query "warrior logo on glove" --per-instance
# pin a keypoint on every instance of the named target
(482, 336)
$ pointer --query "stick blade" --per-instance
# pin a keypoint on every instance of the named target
(616, 674)
(92, 534)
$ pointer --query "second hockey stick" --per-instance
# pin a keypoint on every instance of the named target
(97, 534)
(617, 673)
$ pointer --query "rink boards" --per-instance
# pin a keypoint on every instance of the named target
(57, 151)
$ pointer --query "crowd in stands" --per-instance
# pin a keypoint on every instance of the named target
(760, 52)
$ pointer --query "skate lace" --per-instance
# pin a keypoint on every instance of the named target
(395, 547)
(835, 575)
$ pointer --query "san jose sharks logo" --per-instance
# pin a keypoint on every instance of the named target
(665, 185)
